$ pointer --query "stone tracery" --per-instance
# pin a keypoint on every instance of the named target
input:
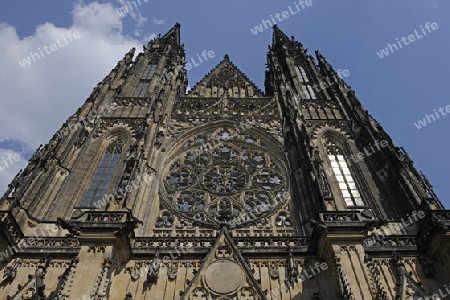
(231, 175)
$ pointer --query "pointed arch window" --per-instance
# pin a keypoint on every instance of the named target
(141, 90)
(308, 92)
(343, 176)
(103, 175)
(307, 89)
(301, 74)
(149, 71)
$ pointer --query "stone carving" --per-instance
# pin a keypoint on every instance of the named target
(9, 224)
(52, 242)
(377, 289)
(292, 268)
(200, 293)
(223, 252)
(135, 273)
(97, 249)
(273, 271)
(128, 296)
(247, 293)
(153, 269)
(39, 279)
(82, 137)
(101, 284)
(172, 272)
(208, 185)
(10, 272)
(64, 288)
(324, 184)
(164, 220)
(343, 284)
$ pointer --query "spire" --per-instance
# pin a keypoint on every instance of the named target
(174, 34)
(278, 36)
(322, 61)
(327, 69)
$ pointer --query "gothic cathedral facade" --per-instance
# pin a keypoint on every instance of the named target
(223, 192)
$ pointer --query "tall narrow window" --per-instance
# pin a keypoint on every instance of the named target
(343, 176)
(149, 71)
(301, 74)
(306, 92)
(311, 92)
(141, 90)
(103, 175)
(307, 89)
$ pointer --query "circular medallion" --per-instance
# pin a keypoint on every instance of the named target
(224, 277)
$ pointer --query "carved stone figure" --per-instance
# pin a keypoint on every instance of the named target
(292, 268)
(134, 273)
(153, 270)
(39, 283)
(11, 271)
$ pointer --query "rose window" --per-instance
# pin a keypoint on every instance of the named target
(221, 176)
(223, 179)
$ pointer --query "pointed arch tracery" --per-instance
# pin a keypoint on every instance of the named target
(343, 178)
(103, 161)
(103, 174)
(343, 175)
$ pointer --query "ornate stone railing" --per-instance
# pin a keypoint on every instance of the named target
(250, 243)
(107, 217)
(133, 101)
(441, 215)
(263, 242)
(340, 216)
(400, 242)
(50, 242)
(167, 242)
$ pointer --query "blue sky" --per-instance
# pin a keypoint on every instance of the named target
(398, 90)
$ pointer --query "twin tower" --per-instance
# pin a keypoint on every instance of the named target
(223, 192)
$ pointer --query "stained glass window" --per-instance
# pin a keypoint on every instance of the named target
(102, 176)
(343, 176)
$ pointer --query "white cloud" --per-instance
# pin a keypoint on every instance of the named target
(10, 163)
(134, 11)
(159, 22)
(38, 98)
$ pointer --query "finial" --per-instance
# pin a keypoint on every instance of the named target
(226, 57)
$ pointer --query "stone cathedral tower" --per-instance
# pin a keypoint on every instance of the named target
(225, 192)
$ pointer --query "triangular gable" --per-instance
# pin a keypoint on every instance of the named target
(225, 74)
(223, 273)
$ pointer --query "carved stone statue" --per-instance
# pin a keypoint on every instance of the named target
(153, 270)
(156, 112)
(39, 284)
(292, 266)
(11, 271)
(129, 56)
(134, 273)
